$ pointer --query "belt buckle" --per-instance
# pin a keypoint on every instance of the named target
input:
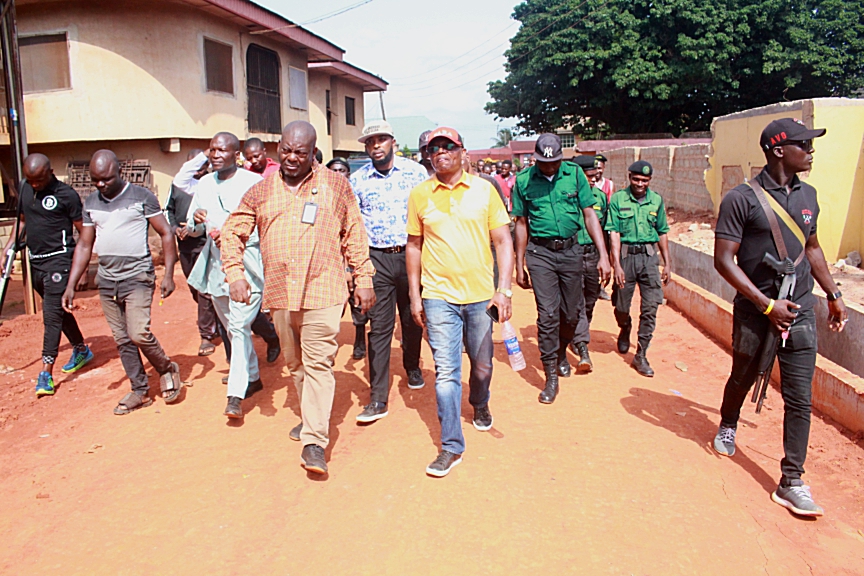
(558, 244)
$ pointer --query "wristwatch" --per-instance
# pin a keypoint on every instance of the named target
(835, 296)
(508, 293)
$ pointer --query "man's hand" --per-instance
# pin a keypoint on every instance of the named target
(349, 280)
(68, 299)
(240, 291)
(837, 317)
(783, 314)
(605, 270)
(522, 278)
(417, 312)
(364, 298)
(505, 306)
(620, 277)
(181, 232)
(199, 216)
(167, 287)
(665, 275)
(216, 235)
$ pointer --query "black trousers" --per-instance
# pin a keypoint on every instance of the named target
(642, 270)
(391, 293)
(49, 280)
(262, 326)
(590, 293)
(797, 364)
(206, 314)
(557, 280)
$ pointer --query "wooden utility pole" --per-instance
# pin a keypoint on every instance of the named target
(15, 122)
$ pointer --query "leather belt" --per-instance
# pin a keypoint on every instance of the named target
(389, 249)
(555, 244)
(637, 248)
(588, 248)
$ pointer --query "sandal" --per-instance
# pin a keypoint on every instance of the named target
(206, 348)
(171, 384)
(132, 402)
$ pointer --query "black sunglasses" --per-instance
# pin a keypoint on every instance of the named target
(805, 145)
(449, 147)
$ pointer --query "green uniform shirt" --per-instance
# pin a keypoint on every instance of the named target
(553, 209)
(637, 223)
(600, 209)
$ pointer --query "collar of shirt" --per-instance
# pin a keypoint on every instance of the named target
(647, 198)
(462, 182)
(126, 187)
(769, 184)
(563, 170)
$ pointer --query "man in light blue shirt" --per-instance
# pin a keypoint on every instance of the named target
(382, 188)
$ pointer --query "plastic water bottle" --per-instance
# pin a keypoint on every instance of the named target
(514, 352)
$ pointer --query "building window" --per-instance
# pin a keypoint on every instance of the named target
(329, 112)
(262, 85)
(350, 118)
(297, 89)
(219, 66)
(44, 62)
(567, 140)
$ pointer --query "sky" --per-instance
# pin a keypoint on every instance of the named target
(438, 57)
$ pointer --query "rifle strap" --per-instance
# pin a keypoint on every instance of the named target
(772, 209)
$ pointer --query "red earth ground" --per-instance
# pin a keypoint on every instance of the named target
(616, 477)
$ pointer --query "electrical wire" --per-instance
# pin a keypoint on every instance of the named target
(316, 19)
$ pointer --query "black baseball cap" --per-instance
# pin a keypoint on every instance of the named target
(424, 139)
(786, 130)
(586, 162)
(548, 148)
(601, 158)
(641, 167)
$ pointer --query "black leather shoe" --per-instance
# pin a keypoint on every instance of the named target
(548, 395)
(313, 459)
(415, 379)
(273, 351)
(359, 343)
(585, 365)
(564, 368)
(624, 340)
(233, 409)
(294, 434)
(256, 386)
(640, 364)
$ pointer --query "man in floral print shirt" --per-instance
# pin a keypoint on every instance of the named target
(382, 189)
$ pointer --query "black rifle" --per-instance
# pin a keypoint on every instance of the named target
(786, 272)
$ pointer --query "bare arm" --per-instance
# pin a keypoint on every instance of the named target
(666, 274)
(413, 251)
(837, 315)
(169, 250)
(504, 252)
(522, 277)
(80, 261)
(186, 176)
(595, 231)
(615, 240)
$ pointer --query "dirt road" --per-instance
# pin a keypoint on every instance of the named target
(616, 477)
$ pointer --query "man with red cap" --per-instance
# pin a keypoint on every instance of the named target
(776, 205)
(451, 218)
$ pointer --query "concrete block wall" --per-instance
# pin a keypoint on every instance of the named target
(679, 173)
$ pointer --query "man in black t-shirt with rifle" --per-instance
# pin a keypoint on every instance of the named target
(769, 225)
(49, 210)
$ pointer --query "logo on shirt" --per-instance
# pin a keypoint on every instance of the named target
(56, 277)
(547, 152)
(807, 215)
(49, 202)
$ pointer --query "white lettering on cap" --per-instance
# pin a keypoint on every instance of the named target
(547, 152)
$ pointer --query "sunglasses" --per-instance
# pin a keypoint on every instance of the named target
(805, 145)
(449, 147)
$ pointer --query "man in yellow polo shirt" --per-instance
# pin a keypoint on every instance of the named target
(451, 218)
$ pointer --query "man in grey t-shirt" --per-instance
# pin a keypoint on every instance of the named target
(116, 219)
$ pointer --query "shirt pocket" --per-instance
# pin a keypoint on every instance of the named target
(627, 223)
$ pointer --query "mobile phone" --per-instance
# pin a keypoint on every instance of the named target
(492, 312)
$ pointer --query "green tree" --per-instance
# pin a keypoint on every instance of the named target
(503, 138)
(635, 66)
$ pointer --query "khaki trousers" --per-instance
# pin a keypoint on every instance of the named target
(308, 339)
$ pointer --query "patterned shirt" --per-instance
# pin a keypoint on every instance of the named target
(384, 200)
(303, 262)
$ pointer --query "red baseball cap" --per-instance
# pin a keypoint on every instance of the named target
(445, 132)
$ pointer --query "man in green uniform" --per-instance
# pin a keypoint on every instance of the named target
(552, 202)
(591, 287)
(637, 223)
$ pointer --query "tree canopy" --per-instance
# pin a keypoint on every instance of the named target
(639, 66)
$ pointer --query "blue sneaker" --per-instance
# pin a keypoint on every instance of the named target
(78, 360)
(45, 385)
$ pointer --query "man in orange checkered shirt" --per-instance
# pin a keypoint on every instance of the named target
(310, 225)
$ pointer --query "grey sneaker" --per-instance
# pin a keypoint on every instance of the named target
(372, 412)
(482, 419)
(443, 464)
(294, 434)
(313, 460)
(415, 379)
(724, 442)
(797, 499)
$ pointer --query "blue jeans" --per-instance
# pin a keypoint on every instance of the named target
(448, 326)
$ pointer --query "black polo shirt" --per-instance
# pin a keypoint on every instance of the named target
(742, 220)
(49, 215)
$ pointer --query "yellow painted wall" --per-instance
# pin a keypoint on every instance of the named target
(838, 167)
(319, 83)
(344, 136)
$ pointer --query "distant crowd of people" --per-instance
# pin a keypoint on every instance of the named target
(278, 248)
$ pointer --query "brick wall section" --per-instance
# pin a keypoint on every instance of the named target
(679, 173)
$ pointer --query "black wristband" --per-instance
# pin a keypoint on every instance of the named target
(835, 296)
